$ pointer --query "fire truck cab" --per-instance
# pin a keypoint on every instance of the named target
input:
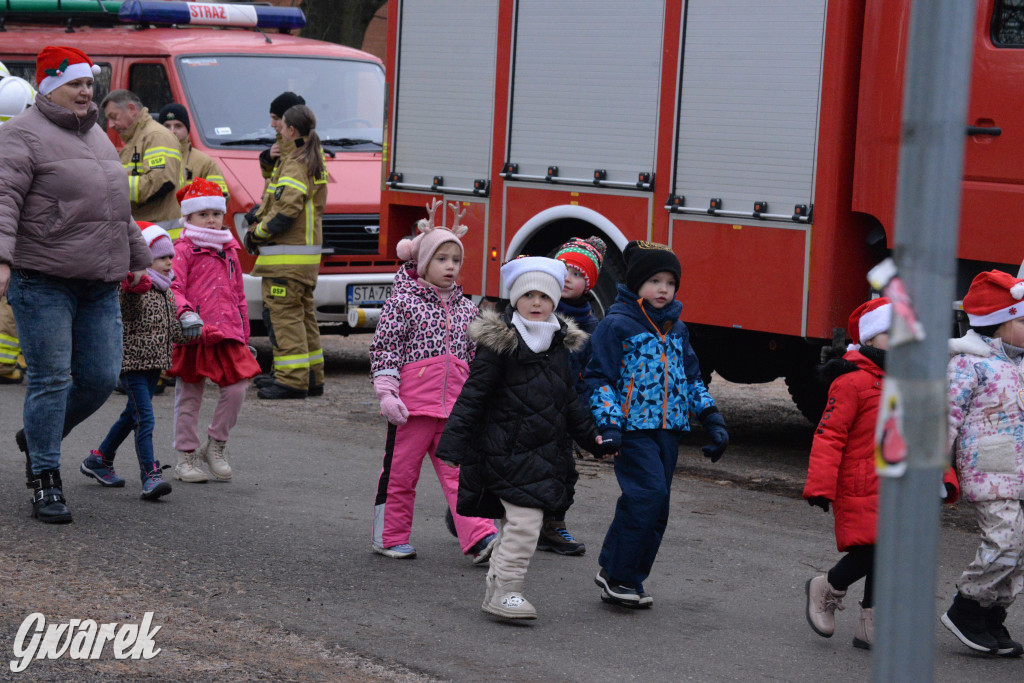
(225, 63)
(758, 138)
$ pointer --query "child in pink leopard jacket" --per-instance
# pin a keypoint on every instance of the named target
(986, 433)
(419, 360)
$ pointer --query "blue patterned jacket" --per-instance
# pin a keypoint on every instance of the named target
(643, 373)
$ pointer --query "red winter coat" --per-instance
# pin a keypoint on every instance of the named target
(842, 462)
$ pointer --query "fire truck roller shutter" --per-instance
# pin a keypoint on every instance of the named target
(444, 101)
(748, 114)
(586, 88)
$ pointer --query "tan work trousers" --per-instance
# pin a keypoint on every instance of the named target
(298, 356)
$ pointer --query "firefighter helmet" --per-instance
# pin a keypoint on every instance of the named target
(16, 95)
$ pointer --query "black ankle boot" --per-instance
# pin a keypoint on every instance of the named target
(48, 504)
(995, 617)
(965, 618)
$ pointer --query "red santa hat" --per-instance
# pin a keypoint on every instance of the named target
(994, 298)
(870, 319)
(56, 65)
(200, 195)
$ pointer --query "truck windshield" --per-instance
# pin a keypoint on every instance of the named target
(347, 97)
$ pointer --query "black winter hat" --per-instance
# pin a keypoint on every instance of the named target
(284, 102)
(174, 112)
(644, 259)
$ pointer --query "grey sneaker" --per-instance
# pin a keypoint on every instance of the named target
(398, 552)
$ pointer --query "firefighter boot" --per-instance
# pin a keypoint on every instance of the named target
(48, 504)
(279, 391)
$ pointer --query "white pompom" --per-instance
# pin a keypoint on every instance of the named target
(1017, 291)
(95, 70)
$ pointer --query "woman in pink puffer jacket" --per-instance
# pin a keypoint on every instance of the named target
(419, 360)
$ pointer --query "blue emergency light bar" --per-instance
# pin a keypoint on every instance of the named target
(211, 14)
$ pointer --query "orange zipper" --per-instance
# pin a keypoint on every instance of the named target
(664, 365)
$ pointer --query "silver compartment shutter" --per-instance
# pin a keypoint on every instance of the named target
(585, 92)
(445, 94)
(748, 119)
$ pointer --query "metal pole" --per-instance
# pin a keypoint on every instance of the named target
(927, 223)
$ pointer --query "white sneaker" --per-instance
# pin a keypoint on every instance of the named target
(215, 453)
(187, 469)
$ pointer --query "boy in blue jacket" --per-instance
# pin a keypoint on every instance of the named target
(645, 382)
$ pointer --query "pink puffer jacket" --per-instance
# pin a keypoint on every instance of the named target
(421, 339)
(210, 283)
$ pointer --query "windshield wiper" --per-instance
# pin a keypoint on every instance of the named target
(349, 142)
(248, 141)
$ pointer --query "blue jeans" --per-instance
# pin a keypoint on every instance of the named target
(70, 333)
(644, 469)
(137, 415)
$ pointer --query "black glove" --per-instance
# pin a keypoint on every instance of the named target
(248, 243)
(605, 448)
(250, 215)
(714, 425)
(611, 438)
(819, 502)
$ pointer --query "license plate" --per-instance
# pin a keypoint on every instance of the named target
(368, 294)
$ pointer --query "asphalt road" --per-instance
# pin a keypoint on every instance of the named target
(270, 577)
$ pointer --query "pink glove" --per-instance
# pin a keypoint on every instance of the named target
(391, 406)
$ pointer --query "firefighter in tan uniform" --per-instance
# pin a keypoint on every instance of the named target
(16, 95)
(286, 233)
(196, 164)
(152, 157)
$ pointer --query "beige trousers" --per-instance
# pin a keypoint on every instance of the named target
(517, 541)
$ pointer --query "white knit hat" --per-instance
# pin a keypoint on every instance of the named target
(533, 273)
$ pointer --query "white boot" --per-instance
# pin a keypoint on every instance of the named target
(215, 453)
(865, 635)
(507, 601)
(187, 469)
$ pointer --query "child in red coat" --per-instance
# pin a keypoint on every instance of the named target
(841, 471)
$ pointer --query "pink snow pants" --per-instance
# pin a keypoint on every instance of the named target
(396, 489)
(188, 396)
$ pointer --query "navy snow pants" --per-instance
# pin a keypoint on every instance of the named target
(644, 469)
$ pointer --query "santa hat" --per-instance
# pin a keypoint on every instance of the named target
(870, 319)
(533, 273)
(56, 65)
(199, 195)
(157, 239)
(422, 247)
(994, 298)
(585, 256)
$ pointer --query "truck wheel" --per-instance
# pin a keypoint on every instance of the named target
(809, 394)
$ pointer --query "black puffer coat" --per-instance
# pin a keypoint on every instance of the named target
(512, 428)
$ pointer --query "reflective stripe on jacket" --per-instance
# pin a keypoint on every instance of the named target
(152, 158)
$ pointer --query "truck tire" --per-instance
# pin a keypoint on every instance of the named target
(808, 393)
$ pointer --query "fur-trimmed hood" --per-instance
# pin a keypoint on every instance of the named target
(495, 331)
(971, 343)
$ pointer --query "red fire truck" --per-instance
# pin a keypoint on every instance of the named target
(225, 63)
(758, 138)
